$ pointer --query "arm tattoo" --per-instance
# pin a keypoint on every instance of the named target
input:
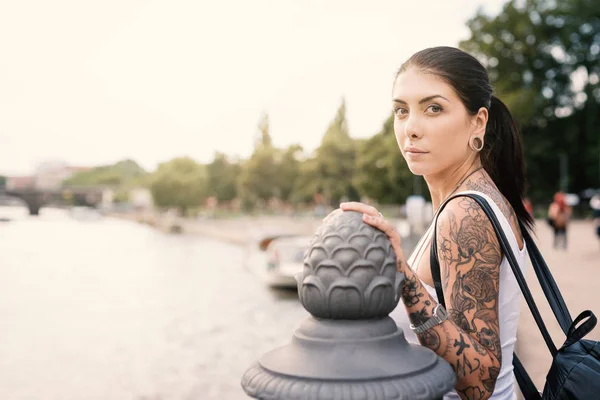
(474, 266)
(470, 258)
(419, 317)
(461, 345)
(410, 293)
(472, 393)
(430, 339)
(486, 185)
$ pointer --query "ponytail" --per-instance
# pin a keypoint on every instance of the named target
(502, 157)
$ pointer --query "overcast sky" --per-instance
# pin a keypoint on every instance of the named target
(93, 82)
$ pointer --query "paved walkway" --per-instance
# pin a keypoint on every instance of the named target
(576, 272)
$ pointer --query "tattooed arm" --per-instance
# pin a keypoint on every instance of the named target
(470, 257)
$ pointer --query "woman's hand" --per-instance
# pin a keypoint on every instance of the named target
(374, 218)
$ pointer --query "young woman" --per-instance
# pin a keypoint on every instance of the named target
(454, 132)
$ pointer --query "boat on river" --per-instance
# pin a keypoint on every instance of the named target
(277, 259)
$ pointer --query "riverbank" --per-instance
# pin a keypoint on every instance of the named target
(241, 230)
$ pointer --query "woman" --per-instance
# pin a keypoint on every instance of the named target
(454, 132)
(559, 214)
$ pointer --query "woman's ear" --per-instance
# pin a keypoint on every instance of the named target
(480, 121)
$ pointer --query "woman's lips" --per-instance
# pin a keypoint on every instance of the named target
(411, 149)
(414, 153)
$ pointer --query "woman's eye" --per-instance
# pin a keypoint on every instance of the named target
(434, 109)
(400, 111)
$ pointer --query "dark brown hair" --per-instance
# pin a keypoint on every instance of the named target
(502, 153)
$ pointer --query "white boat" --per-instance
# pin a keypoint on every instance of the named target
(278, 259)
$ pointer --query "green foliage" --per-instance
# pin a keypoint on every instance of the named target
(264, 137)
(179, 183)
(2, 181)
(382, 173)
(289, 170)
(270, 172)
(331, 172)
(126, 172)
(222, 176)
(258, 177)
(544, 60)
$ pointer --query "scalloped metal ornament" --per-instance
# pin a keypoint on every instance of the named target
(349, 348)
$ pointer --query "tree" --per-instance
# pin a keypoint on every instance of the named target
(180, 183)
(288, 171)
(382, 173)
(259, 176)
(263, 137)
(121, 173)
(222, 175)
(2, 181)
(307, 182)
(544, 60)
(334, 165)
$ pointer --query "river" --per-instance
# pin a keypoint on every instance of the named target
(111, 309)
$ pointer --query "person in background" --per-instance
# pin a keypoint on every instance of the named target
(559, 213)
(595, 205)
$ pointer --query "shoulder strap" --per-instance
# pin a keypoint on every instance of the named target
(524, 381)
(526, 385)
(547, 282)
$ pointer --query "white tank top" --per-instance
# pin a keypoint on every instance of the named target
(509, 302)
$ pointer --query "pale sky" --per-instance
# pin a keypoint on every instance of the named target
(92, 82)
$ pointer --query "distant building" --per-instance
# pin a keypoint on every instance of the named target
(51, 178)
(14, 183)
(47, 176)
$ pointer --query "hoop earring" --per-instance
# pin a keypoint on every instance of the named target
(476, 143)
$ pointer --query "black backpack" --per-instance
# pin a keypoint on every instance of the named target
(575, 370)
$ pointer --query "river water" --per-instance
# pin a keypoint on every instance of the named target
(110, 309)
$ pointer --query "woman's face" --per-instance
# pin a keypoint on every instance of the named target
(431, 123)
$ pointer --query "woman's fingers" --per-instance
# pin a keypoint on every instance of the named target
(360, 207)
(372, 217)
(381, 224)
(386, 227)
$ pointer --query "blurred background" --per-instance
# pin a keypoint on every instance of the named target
(164, 163)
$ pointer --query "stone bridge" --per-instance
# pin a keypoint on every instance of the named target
(37, 198)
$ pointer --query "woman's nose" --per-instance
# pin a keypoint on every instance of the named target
(411, 129)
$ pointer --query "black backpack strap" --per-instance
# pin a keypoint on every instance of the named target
(434, 262)
(526, 385)
(547, 282)
(575, 333)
